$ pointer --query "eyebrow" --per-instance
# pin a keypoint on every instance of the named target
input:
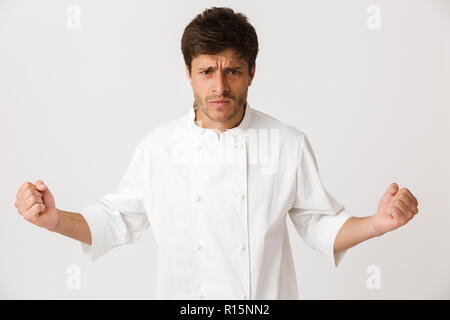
(211, 67)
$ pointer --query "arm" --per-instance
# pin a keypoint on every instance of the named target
(118, 218)
(354, 231)
(395, 209)
(73, 225)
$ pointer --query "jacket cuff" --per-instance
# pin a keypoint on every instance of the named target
(337, 222)
(95, 219)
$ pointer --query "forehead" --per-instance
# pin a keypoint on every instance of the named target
(227, 56)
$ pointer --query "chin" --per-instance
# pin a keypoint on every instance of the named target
(219, 116)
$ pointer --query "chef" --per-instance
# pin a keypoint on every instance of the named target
(217, 185)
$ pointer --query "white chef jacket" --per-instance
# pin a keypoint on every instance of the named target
(217, 204)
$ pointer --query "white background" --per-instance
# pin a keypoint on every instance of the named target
(373, 102)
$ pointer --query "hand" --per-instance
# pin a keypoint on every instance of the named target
(395, 209)
(36, 204)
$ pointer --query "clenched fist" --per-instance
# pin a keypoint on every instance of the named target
(395, 209)
(36, 204)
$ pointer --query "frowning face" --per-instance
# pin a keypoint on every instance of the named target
(220, 77)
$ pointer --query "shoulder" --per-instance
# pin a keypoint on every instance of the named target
(286, 132)
(164, 131)
(159, 134)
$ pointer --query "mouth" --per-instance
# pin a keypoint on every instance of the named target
(220, 103)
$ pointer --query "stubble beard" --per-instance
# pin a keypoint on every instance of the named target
(240, 102)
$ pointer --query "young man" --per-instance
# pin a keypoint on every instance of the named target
(217, 185)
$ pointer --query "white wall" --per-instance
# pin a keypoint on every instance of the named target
(373, 102)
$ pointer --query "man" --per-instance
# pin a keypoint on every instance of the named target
(217, 185)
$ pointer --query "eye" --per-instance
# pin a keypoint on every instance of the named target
(231, 71)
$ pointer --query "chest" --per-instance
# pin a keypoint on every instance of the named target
(219, 181)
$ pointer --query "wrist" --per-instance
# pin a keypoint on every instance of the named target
(56, 224)
(374, 231)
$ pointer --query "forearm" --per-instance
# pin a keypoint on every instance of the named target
(73, 225)
(355, 230)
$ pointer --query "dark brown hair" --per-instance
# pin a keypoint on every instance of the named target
(217, 29)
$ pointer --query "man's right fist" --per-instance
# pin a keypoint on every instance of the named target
(36, 204)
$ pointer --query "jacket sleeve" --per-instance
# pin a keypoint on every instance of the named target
(316, 215)
(119, 218)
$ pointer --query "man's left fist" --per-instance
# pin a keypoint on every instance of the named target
(395, 209)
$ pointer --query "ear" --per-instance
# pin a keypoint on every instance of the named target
(252, 75)
(188, 74)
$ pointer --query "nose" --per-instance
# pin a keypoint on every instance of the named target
(220, 86)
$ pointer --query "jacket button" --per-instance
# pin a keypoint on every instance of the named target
(243, 296)
(241, 247)
(199, 246)
(200, 295)
(240, 195)
(197, 197)
(198, 147)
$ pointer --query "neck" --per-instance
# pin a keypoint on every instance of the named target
(208, 123)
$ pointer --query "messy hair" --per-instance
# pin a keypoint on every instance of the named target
(217, 29)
